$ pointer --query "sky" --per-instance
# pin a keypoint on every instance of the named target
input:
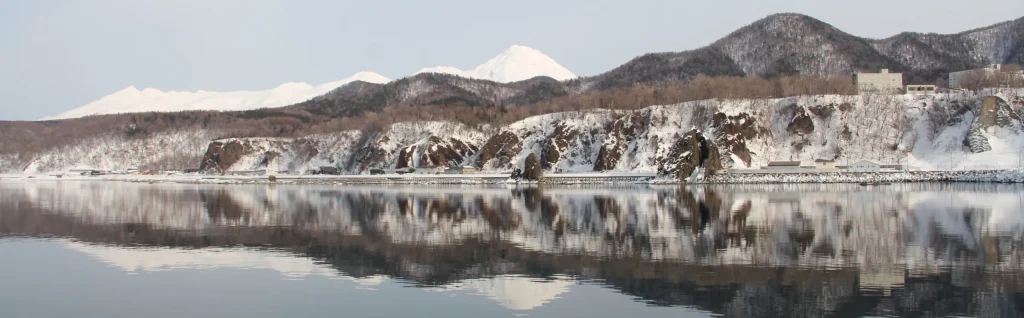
(56, 55)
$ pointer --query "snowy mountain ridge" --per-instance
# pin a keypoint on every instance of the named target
(517, 63)
(133, 100)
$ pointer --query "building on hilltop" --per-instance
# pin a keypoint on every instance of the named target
(994, 75)
(922, 89)
(882, 82)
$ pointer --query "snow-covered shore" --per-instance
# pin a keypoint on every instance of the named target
(973, 176)
(997, 176)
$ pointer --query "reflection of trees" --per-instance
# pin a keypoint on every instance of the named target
(735, 253)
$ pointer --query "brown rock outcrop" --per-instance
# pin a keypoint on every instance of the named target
(221, 155)
(501, 149)
(994, 112)
(532, 169)
(621, 133)
(558, 142)
(801, 123)
(734, 131)
(689, 152)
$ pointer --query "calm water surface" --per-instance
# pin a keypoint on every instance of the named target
(110, 249)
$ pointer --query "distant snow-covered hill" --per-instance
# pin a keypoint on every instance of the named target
(134, 100)
(517, 63)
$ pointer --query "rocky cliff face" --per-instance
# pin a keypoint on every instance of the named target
(259, 152)
(501, 149)
(398, 146)
(673, 140)
(915, 130)
(993, 113)
(691, 152)
(532, 168)
(435, 151)
(735, 131)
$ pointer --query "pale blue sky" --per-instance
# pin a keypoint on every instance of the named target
(57, 55)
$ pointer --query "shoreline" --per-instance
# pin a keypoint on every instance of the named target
(969, 176)
(982, 176)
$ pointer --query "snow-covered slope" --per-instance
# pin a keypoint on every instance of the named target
(133, 100)
(517, 63)
(178, 149)
(923, 131)
(400, 145)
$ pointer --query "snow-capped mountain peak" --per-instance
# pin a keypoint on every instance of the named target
(441, 69)
(133, 100)
(369, 77)
(516, 63)
(520, 63)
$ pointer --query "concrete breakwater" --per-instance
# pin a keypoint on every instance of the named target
(1002, 176)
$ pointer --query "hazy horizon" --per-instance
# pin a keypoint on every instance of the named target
(59, 55)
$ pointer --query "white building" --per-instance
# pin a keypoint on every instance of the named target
(864, 166)
(430, 170)
(787, 167)
(461, 170)
(882, 82)
(824, 164)
(957, 80)
(782, 165)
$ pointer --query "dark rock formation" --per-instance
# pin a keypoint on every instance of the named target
(212, 158)
(733, 133)
(845, 107)
(221, 155)
(501, 148)
(622, 131)
(558, 142)
(689, 152)
(532, 169)
(369, 153)
(801, 123)
(822, 111)
(405, 157)
(976, 141)
(435, 152)
(994, 112)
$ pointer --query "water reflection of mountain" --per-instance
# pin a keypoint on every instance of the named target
(743, 251)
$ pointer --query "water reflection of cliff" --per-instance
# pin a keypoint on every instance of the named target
(742, 251)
